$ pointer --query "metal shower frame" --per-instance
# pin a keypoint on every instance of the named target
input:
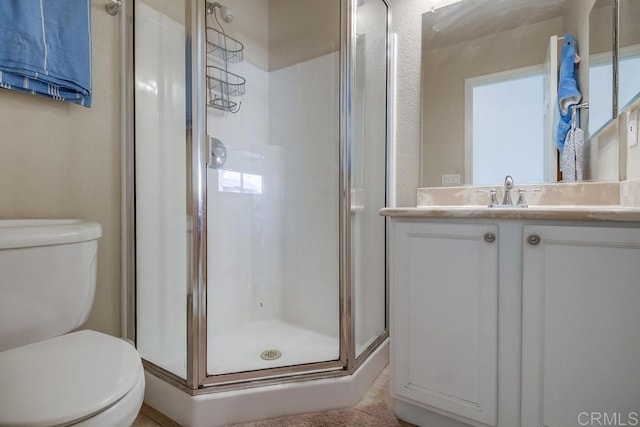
(197, 381)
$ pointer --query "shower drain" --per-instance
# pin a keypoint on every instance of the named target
(271, 354)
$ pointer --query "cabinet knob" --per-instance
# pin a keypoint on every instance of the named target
(533, 239)
(489, 237)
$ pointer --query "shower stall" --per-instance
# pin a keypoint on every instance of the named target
(255, 164)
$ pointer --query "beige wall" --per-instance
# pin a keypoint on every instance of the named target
(407, 24)
(632, 153)
(280, 33)
(596, 31)
(576, 22)
(59, 160)
(172, 8)
(629, 28)
(443, 78)
(629, 36)
(604, 152)
(301, 30)
(250, 27)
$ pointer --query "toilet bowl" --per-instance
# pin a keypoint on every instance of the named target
(48, 375)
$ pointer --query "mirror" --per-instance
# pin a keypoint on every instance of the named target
(489, 88)
(629, 53)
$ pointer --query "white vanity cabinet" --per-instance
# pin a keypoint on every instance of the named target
(506, 323)
(446, 285)
(580, 326)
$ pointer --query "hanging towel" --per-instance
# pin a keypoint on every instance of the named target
(572, 157)
(45, 48)
(568, 93)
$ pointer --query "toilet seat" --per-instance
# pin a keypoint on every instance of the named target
(121, 413)
(68, 380)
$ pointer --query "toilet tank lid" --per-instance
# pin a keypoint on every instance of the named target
(22, 233)
(65, 379)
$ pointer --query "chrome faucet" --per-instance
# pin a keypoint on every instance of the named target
(508, 186)
(507, 202)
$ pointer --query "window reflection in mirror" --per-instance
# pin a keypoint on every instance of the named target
(496, 118)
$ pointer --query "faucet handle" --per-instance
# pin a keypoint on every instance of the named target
(493, 194)
(522, 202)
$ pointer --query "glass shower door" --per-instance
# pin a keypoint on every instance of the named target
(273, 185)
(160, 184)
(368, 173)
(266, 260)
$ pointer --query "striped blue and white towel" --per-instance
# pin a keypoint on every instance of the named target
(572, 157)
(45, 48)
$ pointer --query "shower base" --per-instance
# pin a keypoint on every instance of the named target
(240, 349)
(270, 401)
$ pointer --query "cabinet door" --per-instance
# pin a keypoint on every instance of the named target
(581, 326)
(444, 317)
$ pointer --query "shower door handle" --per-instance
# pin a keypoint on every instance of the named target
(217, 153)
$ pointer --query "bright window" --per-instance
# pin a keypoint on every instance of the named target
(600, 94)
(239, 182)
(628, 84)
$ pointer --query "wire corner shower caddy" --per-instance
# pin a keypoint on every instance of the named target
(222, 84)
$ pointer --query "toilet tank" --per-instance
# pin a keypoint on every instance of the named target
(47, 278)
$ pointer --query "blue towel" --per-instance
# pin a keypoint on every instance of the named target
(45, 48)
(568, 93)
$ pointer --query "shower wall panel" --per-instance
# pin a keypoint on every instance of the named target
(273, 246)
(274, 255)
(245, 223)
(304, 119)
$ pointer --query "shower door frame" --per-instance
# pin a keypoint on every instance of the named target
(197, 380)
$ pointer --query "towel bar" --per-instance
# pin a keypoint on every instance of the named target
(583, 105)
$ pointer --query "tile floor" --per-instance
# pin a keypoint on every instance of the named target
(373, 410)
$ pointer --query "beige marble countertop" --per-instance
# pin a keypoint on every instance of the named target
(572, 213)
(588, 201)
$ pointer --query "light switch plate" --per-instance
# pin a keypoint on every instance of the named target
(452, 179)
(632, 128)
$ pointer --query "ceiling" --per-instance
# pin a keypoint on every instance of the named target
(471, 19)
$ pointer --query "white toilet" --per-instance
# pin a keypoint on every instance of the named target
(48, 376)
